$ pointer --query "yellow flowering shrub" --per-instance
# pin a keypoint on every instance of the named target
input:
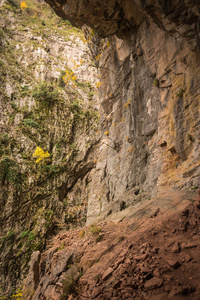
(39, 154)
(98, 84)
(98, 57)
(23, 5)
(69, 77)
(16, 296)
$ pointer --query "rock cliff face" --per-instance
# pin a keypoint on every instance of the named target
(147, 54)
(149, 93)
(39, 109)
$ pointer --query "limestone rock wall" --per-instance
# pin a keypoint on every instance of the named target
(149, 86)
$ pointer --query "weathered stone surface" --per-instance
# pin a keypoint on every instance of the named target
(107, 273)
(60, 263)
(123, 17)
(149, 110)
(33, 277)
(153, 283)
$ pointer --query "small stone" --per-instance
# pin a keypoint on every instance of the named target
(191, 245)
(107, 274)
(119, 262)
(122, 270)
(176, 248)
(174, 263)
(183, 245)
(156, 273)
(175, 291)
(165, 269)
(145, 270)
(117, 284)
(140, 257)
(188, 257)
(126, 290)
(153, 283)
(86, 296)
(108, 293)
(128, 261)
(96, 291)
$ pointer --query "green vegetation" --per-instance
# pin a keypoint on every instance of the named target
(180, 93)
(99, 238)
(7, 239)
(25, 90)
(190, 138)
(75, 107)
(46, 94)
(68, 285)
(156, 83)
(30, 122)
(34, 238)
(1, 62)
(13, 3)
(9, 172)
(46, 114)
(94, 229)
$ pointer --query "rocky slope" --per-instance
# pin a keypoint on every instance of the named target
(157, 259)
(41, 109)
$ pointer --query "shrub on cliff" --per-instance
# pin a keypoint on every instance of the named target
(45, 93)
(9, 172)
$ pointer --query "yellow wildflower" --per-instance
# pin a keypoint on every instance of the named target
(23, 5)
(98, 84)
(39, 154)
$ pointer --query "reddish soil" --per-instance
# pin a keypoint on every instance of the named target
(159, 260)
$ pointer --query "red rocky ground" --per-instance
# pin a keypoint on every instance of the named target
(157, 261)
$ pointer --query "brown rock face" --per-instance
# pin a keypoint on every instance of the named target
(149, 92)
(107, 17)
(122, 16)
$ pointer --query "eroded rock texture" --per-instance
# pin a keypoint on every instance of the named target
(149, 92)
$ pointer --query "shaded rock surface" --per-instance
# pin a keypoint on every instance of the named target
(149, 92)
